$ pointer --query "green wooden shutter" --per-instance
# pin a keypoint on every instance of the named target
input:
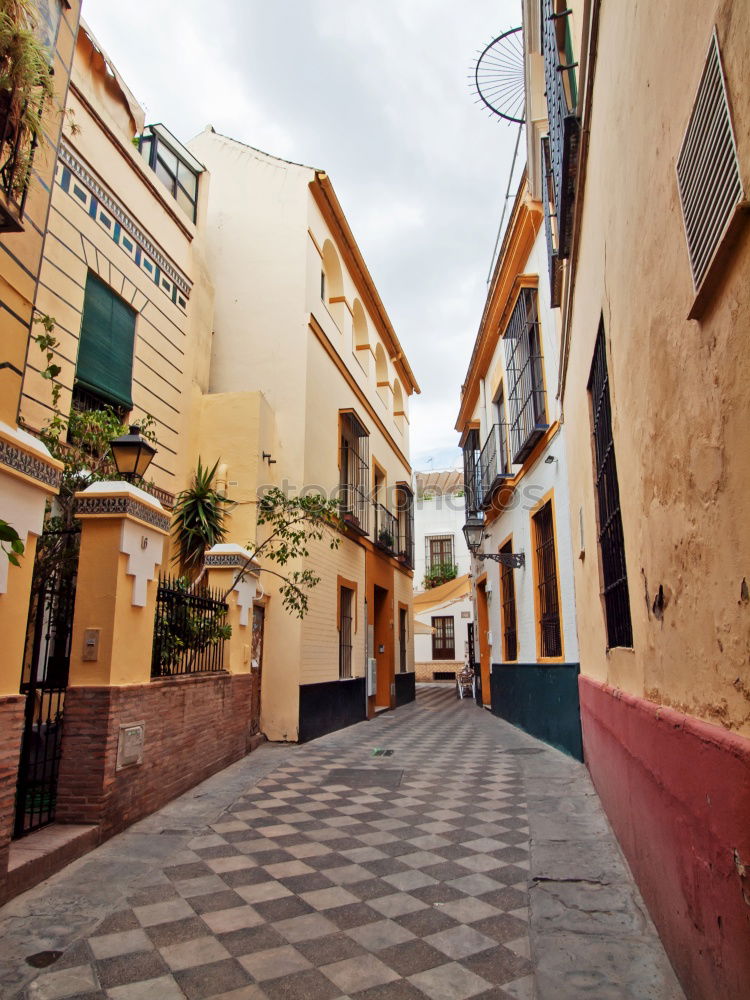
(105, 351)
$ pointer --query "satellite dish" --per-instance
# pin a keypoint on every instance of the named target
(499, 76)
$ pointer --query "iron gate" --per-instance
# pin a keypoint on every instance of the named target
(44, 680)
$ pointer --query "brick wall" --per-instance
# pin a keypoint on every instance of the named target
(425, 671)
(11, 728)
(194, 727)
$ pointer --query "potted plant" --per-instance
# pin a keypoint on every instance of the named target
(438, 574)
(385, 538)
(25, 91)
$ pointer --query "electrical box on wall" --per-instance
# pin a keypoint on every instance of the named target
(130, 745)
(372, 676)
(489, 638)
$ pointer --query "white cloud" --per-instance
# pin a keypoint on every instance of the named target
(377, 94)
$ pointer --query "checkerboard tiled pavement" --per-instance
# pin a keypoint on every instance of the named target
(338, 875)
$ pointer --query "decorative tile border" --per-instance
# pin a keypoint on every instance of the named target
(29, 464)
(230, 560)
(122, 505)
(83, 187)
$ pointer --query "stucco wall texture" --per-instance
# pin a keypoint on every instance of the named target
(680, 388)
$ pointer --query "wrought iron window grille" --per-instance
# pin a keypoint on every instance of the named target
(524, 367)
(564, 125)
(354, 473)
(547, 584)
(615, 592)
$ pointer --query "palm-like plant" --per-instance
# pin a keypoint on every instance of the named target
(198, 519)
(26, 87)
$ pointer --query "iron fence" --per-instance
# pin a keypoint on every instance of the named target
(386, 529)
(190, 630)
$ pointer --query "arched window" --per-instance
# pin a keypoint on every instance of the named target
(332, 284)
(361, 335)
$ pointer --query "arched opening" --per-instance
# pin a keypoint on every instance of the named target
(381, 373)
(361, 335)
(399, 405)
(332, 284)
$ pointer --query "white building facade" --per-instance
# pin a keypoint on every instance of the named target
(439, 514)
(516, 484)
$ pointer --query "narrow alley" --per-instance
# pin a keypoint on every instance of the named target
(435, 851)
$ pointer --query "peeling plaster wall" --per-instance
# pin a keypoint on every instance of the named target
(680, 388)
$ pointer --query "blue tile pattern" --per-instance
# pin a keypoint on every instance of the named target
(75, 180)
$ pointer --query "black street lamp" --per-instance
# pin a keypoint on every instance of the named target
(474, 534)
(132, 454)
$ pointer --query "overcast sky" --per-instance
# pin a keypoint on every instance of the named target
(375, 92)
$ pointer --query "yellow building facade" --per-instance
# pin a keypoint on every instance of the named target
(299, 320)
(28, 474)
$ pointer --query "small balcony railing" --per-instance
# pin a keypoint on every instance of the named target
(386, 529)
(493, 461)
(406, 527)
(354, 505)
(16, 155)
(564, 126)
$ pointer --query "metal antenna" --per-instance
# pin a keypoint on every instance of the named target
(508, 196)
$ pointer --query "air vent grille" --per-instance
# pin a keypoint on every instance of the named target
(707, 169)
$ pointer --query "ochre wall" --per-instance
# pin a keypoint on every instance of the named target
(172, 342)
(21, 252)
(680, 388)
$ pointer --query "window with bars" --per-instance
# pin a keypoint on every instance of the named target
(546, 579)
(439, 550)
(524, 366)
(611, 539)
(443, 638)
(354, 472)
(472, 473)
(508, 588)
(346, 619)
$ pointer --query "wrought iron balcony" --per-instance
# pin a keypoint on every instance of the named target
(494, 466)
(354, 506)
(524, 367)
(16, 155)
(564, 126)
(472, 477)
(386, 529)
(550, 227)
(406, 526)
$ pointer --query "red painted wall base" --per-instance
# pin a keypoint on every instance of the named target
(677, 793)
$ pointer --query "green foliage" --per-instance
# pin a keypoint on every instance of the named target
(292, 523)
(438, 574)
(80, 440)
(198, 519)
(186, 629)
(385, 538)
(10, 542)
(26, 87)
